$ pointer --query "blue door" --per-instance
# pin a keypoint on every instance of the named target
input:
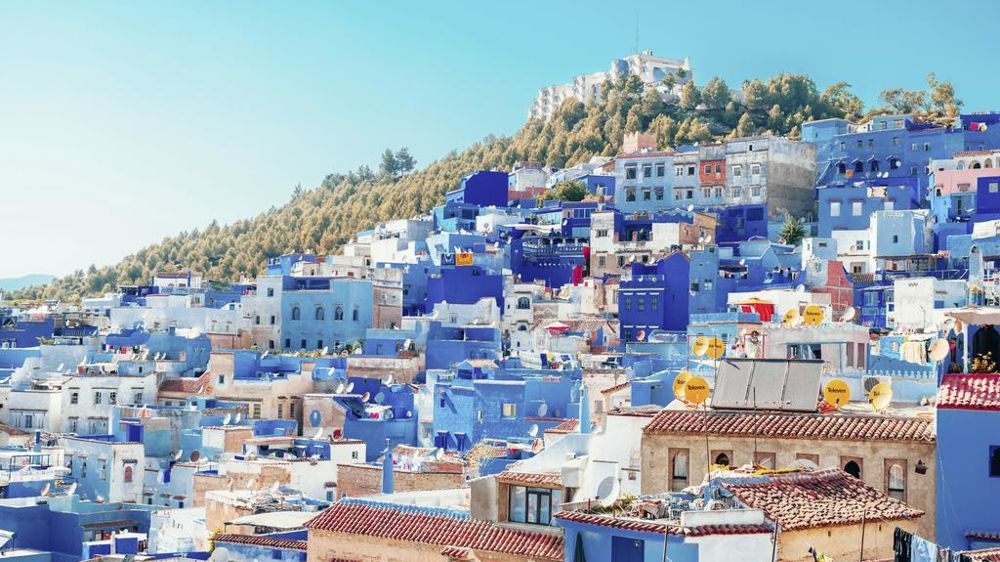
(626, 550)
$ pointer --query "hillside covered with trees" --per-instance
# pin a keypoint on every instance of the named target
(323, 218)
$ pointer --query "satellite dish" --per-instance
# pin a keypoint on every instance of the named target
(680, 382)
(239, 416)
(641, 335)
(790, 317)
(743, 261)
(409, 413)
(533, 430)
(880, 396)
(387, 380)
(45, 489)
(708, 238)
(340, 388)
(61, 367)
(716, 348)
(696, 390)
(607, 491)
(800, 289)
(178, 455)
(849, 315)
(701, 239)
(72, 489)
(805, 464)
(350, 388)
(265, 354)
(836, 393)
(690, 208)
(813, 315)
(325, 350)
(939, 349)
(380, 397)
(366, 397)
(319, 433)
(543, 409)
(700, 346)
(227, 418)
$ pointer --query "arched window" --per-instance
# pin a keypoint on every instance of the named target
(896, 482)
(128, 473)
(976, 166)
(841, 168)
(895, 163)
(859, 167)
(995, 461)
(853, 469)
(722, 459)
(679, 471)
(355, 315)
(988, 163)
(320, 313)
(523, 303)
(338, 313)
(874, 165)
(296, 313)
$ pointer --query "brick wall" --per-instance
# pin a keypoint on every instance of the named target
(357, 480)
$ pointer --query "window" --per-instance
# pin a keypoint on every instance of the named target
(841, 168)
(532, 505)
(104, 470)
(338, 313)
(270, 292)
(678, 469)
(889, 205)
(756, 191)
(83, 469)
(74, 397)
(871, 143)
(355, 315)
(602, 233)
(281, 411)
(523, 303)
(754, 169)
(303, 344)
(678, 171)
(602, 261)
(708, 168)
(914, 147)
(661, 170)
(861, 143)
(630, 195)
(994, 187)
(874, 165)
(995, 461)
(630, 172)
(112, 397)
(659, 195)
(859, 167)
(895, 140)
(646, 195)
(722, 458)
(270, 344)
(288, 343)
(895, 238)
(137, 398)
(737, 170)
(97, 398)
(647, 171)
(859, 245)
(29, 421)
(895, 479)
(654, 302)
(296, 313)
(320, 314)
(765, 460)
(272, 320)
(737, 192)
(128, 473)
(857, 207)
(691, 170)
(256, 410)
(256, 320)
(718, 192)
(927, 147)
(640, 303)
(852, 466)
(689, 194)
(718, 169)
(508, 410)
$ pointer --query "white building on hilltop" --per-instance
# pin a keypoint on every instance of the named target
(651, 70)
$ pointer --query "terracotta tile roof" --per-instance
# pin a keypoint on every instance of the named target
(187, 385)
(568, 426)
(457, 553)
(970, 392)
(983, 555)
(437, 527)
(823, 498)
(260, 540)
(615, 388)
(530, 478)
(794, 426)
(12, 431)
(659, 526)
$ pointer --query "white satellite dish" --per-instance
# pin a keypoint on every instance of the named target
(325, 350)
(543, 409)
(607, 491)
(45, 489)
(178, 454)
(690, 208)
(387, 380)
(350, 388)
(61, 367)
(708, 239)
(265, 354)
(849, 314)
(227, 418)
(533, 430)
(239, 416)
(319, 433)
(366, 397)
(340, 388)
(379, 398)
(800, 289)
(939, 349)
(804, 464)
(71, 490)
(701, 239)
(743, 262)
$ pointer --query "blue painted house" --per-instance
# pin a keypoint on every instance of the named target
(655, 297)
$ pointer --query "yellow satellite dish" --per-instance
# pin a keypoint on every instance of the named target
(790, 317)
(716, 348)
(700, 346)
(679, 384)
(696, 390)
(880, 396)
(813, 315)
(836, 393)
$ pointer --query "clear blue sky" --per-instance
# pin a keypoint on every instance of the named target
(124, 122)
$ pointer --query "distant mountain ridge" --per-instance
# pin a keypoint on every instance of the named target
(324, 218)
(25, 281)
